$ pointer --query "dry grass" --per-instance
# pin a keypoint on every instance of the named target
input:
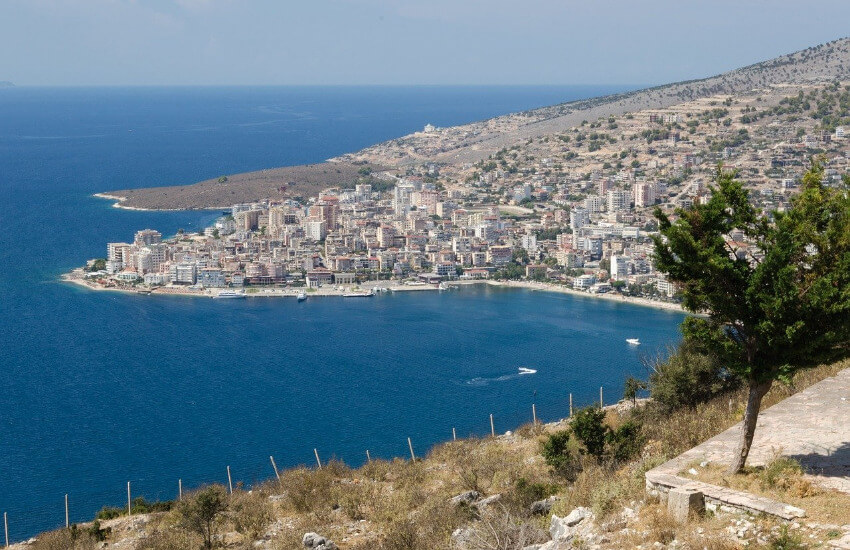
(783, 479)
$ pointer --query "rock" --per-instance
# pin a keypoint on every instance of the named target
(553, 545)
(467, 498)
(317, 542)
(685, 502)
(461, 537)
(484, 502)
(561, 529)
(693, 472)
(577, 516)
(542, 507)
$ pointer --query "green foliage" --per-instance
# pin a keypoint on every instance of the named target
(108, 512)
(97, 533)
(524, 493)
(625, 442)
(200, 512)
(778, 307)
(588, 425)
(633, 385)
(772, 308)
(97, 265)
(686, 378)
(559, 454)
(786, 540)
(222, 179)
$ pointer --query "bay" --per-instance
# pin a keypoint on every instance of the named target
(99, 388)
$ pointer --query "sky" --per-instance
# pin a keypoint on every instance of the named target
(400, 42)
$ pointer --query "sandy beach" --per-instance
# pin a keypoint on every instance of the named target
(77, 277)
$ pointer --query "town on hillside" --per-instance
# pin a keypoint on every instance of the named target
(573, 208)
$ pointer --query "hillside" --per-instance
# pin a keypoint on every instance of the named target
(457, 147)
(510, 492)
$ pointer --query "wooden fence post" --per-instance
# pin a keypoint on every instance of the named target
(276, 473)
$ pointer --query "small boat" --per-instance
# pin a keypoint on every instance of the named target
(358, 295)
(229, 294)
(633, 341)
(302, 296)
(525, 370)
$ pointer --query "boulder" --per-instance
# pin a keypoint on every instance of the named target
(467, 498)
(484, 502)
(315, 541)
(563, 529)
(577, 516)
(542, 507)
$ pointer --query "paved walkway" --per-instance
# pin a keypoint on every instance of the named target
(812, 426)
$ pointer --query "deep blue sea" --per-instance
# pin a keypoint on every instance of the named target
(97, 389)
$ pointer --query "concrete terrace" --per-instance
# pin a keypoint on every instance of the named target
(812, 426)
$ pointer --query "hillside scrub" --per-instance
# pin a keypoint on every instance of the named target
(402, 504)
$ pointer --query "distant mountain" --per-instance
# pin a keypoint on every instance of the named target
(6, 84)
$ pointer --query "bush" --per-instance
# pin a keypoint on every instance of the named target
(786, 540)
(559, 454)
(525, 492)
(108, 512)
(686, 378)
(625, 442)
(252, 513)
(200, 512)
(588, 425)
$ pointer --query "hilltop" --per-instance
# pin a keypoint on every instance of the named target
(459, 146)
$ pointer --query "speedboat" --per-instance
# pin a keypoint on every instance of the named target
(302, 296)
(525, 370)
(633, 341)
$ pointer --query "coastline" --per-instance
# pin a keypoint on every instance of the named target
(119, 203)
(547, 287)
(76, 277)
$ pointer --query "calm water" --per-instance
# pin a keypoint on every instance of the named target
(97, 389)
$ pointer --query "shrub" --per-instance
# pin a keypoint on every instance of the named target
(588, 425)
(625, 442)
(687, 377)
(252, 513)
(786, 540)
(525, 492)
(200, 512)
(559, 454)
(779, 472)
(108, 512)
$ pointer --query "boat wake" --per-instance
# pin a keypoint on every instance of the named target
(483, 381)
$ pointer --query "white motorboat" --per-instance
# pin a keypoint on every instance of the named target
(526, 370)
(633, 341)
(231, 294)
(302, 296)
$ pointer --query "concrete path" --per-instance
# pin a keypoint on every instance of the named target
(812, 426)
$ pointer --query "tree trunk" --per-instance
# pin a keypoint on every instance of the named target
(757, 390)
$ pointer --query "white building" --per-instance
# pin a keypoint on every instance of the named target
(620, 267)
(315, 230)
(584, 282)
(619, 200)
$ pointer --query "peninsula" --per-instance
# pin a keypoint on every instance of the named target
(561, 196)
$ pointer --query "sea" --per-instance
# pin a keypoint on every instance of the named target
(98, 389)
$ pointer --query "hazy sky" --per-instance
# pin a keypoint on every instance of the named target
(151, 42)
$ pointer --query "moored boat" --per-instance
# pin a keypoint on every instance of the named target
(229, 294)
